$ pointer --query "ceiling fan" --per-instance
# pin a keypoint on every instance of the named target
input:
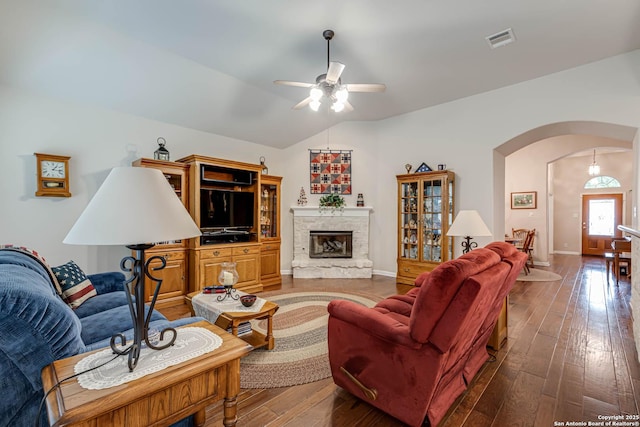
(330, 85)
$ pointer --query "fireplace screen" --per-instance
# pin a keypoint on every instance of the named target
(330, 244)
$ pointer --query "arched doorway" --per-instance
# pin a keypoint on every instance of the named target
(562, 139)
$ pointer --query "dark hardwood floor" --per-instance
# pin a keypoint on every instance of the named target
(570, 356)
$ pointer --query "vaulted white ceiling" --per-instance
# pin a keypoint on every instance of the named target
(210, 64)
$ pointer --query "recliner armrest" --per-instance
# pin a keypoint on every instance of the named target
(372, 322)
(104, 283)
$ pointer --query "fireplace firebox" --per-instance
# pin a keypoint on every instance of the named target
(330, 244)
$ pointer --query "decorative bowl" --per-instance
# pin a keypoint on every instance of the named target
(247, 300)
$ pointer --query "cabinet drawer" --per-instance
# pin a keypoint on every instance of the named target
(246, 250)
(266, 247)
(215, 253)
(172, 256)
(410, 270)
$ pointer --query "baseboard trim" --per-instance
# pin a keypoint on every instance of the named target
(542, 263)
(376, 272)
(566, 253)
(384, 273)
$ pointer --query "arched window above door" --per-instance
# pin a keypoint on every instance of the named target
(602, 182)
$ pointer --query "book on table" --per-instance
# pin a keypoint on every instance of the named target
(243, 328)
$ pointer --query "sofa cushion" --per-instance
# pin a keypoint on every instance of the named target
(104, 324)
(37, 263)
(76, 286)
(101, 302)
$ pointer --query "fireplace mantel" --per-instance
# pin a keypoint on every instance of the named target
(355, 219)
(316, 211)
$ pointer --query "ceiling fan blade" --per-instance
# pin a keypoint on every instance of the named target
(334, 72)
(365, 87)
(289, 83)
(347, 107)
(302, 103)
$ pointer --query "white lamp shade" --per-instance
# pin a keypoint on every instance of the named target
(134, 205)
(468, 223)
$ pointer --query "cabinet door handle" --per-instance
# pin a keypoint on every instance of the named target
(216, 253)
(406, 270)
(245, 250)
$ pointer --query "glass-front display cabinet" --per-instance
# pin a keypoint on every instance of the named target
(174, 274)
(425, 212)
(270, 230)
(269, 206)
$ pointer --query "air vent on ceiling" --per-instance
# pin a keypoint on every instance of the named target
(501, 39)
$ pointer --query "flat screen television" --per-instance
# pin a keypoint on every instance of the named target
(226, 209)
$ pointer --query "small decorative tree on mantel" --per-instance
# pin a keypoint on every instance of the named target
(302, 200)
(332, 201)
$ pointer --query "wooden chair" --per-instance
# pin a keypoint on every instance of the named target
(531, 245)
(526, 248)
(621, 252)
(519, 233)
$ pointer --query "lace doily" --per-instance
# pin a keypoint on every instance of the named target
(207, 306)
(190, 342)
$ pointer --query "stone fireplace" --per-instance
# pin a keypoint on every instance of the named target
(331, 244)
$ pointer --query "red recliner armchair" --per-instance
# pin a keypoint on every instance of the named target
(412, 355)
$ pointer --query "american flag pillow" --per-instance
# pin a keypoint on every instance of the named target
(76, 286)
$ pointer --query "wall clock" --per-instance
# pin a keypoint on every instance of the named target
(52, 176)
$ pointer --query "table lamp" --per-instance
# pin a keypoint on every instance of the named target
(135, 207)
(466, 224)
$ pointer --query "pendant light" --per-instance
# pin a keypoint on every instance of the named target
(594, 169)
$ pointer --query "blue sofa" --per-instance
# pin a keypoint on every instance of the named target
(38, 327)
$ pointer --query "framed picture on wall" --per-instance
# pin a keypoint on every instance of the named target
(524, 200)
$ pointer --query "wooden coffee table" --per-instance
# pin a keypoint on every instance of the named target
(160, 398)
(234, 318)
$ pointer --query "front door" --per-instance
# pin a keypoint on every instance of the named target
(601, 215)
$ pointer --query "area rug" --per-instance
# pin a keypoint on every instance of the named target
(300, 355)
(538, 275)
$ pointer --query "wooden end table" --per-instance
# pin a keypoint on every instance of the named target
(157, 399)
(234, 318)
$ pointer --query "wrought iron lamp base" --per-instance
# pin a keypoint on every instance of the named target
(229, 292)
(135, 286)
(468, 245)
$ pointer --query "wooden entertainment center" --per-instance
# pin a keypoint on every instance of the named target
(238, 211)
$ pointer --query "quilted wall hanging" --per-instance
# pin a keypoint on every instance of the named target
(330, 171)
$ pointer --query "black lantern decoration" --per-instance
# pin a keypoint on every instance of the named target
(161, 153)
(265, 169)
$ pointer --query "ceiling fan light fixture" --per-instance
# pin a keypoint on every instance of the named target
(594, 168)
(329, 85)
(315, 93)
(314, 105)
(337, 106)
(342, 94)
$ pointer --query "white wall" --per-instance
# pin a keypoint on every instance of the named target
(97, 140)
(570, 175)
(464, 134)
